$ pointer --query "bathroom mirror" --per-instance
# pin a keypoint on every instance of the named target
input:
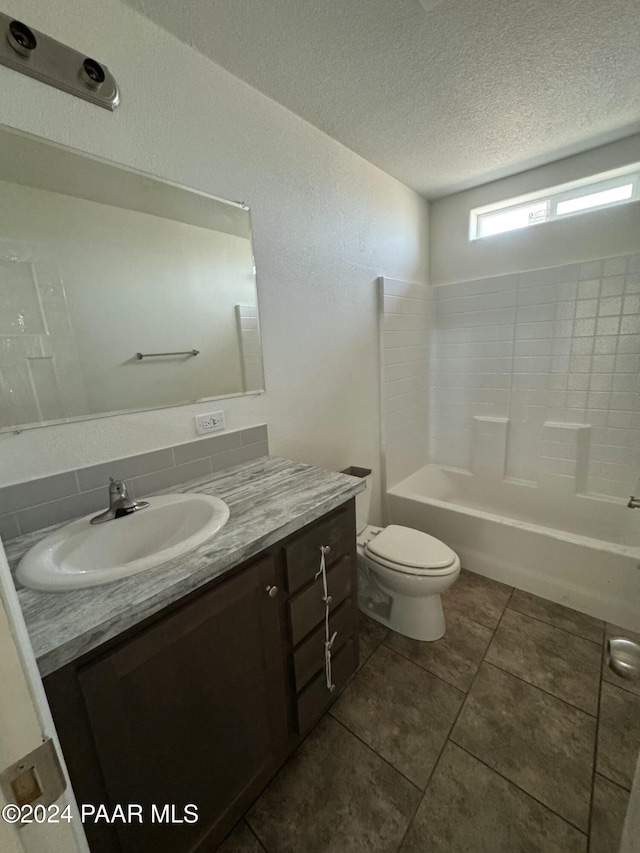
(119, 292)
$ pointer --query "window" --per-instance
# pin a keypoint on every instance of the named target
(605, 190)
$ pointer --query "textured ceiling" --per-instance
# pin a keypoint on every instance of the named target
(442, 94)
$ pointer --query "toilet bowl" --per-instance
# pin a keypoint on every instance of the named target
(402, 573)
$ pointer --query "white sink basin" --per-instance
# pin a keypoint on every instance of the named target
(83, 554)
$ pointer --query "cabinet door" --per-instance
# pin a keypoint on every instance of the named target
(193, 711)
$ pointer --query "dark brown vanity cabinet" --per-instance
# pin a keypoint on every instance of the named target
(202, 703)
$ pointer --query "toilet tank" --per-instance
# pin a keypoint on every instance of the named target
(363, 499)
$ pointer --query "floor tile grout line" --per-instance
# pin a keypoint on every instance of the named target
(520, 788)
(363, 663)
(595, 745)
(489, 644)
(614, 781)
(434, 768)
(255, 835)
(541, 689)
(484, 660)
(330, 713)
(453, 723)
(465, 692)
(619, 686)
(377, 645)
(512, 589)
(450, 738)
(372, 748)
(552, 625)
(446, 740)
(464, 702)
(423, 667)
(466, 616)
(423, 792)
(486, 628)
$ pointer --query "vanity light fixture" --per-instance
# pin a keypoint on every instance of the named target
(39, 56)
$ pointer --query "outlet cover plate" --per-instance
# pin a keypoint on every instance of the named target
(211, 422)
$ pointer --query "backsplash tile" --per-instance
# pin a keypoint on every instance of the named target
(9, 526)
(206, 447)
(55, 512)
(254, 434)
(27, 494)
(148, 483)
(241, 454)
(30, 506)
(132, 466)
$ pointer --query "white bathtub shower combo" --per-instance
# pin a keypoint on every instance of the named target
(511, 426)
(575, 549)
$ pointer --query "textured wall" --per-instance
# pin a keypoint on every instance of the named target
(536, 376)
(326, 224)
(593, 235)
(466, 91)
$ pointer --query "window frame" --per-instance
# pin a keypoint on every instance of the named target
(555, 195)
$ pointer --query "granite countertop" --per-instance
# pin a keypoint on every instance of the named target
(269, 498)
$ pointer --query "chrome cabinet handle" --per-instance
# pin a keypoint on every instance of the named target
(273, 591)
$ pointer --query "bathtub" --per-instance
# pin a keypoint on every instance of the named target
(579, 550)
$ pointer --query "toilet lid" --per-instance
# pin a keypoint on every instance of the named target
(408, 547)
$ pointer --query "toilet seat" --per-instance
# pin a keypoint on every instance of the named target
(411, 552)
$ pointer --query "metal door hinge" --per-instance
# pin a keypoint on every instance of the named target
(36, 779)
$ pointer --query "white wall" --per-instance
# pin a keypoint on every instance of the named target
(599, 234)
(326, 223)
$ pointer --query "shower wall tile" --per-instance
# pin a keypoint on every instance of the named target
(560, 346)
(404, 357)
(250, 347)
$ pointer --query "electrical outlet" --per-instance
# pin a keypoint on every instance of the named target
(210, 422)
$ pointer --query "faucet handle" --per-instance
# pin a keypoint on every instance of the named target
(117, 487)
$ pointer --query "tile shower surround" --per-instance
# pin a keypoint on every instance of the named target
(36, 504)
(515, 357)
(405, 320)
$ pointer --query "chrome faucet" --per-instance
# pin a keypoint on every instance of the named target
(119, 503)
(634, 503)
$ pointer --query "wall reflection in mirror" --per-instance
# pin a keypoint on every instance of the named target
(99, 263)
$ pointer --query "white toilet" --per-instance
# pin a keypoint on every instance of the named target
(402, 573)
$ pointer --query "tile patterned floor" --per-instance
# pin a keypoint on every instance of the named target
(509, 735)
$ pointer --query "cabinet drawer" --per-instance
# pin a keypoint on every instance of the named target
(302, 554)
(316, 696)
(307, 609)
(308, 658)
